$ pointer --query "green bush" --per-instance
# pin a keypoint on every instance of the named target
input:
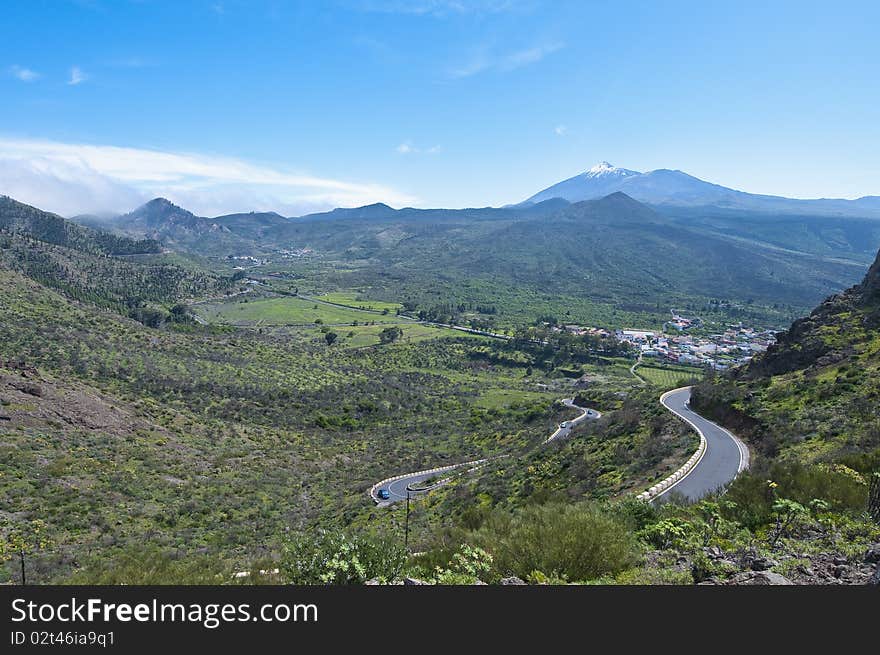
(560, 541)
(337, 558)
(704, 567)
(671, 533)
(842, 488)
(467, 566)
(149, 565)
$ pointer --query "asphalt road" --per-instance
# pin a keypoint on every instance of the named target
(565, 431)
(724, 458)
(397, 488)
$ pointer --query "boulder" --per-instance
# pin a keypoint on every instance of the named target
(759, 578)
(763, 564)
(414, 582)
(512, 580)
(872, 555)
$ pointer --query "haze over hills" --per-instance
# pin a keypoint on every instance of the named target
(676, 188)
(613, 249)
(19, 218)
(92, 264)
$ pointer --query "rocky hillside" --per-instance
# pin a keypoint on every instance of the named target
(180, 229)
(814, 395)
(836, 330)
(18, 218)
(93, 265)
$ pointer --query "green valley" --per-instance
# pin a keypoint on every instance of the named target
(212, 413)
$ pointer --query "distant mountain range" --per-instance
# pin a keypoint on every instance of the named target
(614, 249)
(675, 188)
(672, 192)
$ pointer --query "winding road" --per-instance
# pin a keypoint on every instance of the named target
(722, 456)
(565, 431)
(400, 485)
(725, 454)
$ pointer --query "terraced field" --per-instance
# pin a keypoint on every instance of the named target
(669, 377)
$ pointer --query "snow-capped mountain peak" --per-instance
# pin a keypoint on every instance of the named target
(600, 168)
(604, 168)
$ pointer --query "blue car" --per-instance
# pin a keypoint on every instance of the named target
(383, 494)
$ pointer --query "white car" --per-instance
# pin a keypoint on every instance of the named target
(564, 424)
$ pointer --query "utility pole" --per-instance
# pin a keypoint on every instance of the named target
(406, 523)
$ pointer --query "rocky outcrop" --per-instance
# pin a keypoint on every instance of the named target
(750, 568)
(513, 580)
(869, 289)
(758, 578)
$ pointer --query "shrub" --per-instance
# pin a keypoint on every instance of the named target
(469, 565)
(338, 558)
(560, 541)
(671, 533)
(147, 564)
(704, 567)
(839, 486)
(636, 513)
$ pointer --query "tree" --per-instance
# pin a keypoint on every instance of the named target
(23, 540)
(390, 334)
(330, 338)
(787, 514)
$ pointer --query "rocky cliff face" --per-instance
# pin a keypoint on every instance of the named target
(870, 287)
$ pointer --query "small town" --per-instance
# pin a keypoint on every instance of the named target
(734, 346)
(721, 350)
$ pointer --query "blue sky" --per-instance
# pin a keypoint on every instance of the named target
(223, 105)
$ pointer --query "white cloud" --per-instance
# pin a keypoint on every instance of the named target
(560, 130)
(77, 76)
(527, 56)
(505, 62)
(24, 74)
(70, 178)
(407, 148)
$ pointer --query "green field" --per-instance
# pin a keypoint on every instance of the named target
(669, 378)
(506, 398)
(353, 299)
(362, 336)
(285, 311)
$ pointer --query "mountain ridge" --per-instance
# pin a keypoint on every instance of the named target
(673, 187)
